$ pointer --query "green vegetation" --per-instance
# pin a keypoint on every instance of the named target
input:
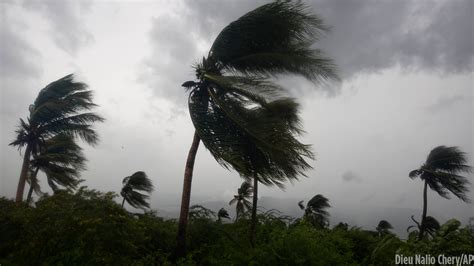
(90, 228)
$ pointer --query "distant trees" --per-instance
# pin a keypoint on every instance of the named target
(131, 187)
(442, 173)
(242, 199)
(222, 213)
(60, 107)
(316, 212)
(383, 227)
(238, 113)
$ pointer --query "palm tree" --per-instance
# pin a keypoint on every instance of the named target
(222, 213)
(239, 113)
(59, 108)
(442, 173)
(61, 159)
(383, 227)
(431, 225)
(243, 204)
(315, 211)
(131, 185)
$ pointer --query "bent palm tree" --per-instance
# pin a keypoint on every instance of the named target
(238, 113)
(61, 159)
(441, 172)
(131, 185)
(383, 227)
(244, 193)
(315, 211)
(59, 108)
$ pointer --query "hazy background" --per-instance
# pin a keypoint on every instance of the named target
(407, 80)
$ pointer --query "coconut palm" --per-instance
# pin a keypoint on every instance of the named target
(315, 211)
(239, 114)
(61, 107)
(383, 227)
(442, 173)
(134, 183)
(430, 227)
(222, 213)
(61, 159)
(242, 199)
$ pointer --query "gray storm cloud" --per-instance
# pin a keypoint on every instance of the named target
(66, 21)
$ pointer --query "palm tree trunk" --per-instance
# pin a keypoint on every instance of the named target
(254, 211)
(425, 205)
(32, 181)
(186, 196)
(24, 172)
(123, 201)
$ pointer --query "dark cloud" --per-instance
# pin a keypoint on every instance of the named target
(66, 19)
(350, 176)
(370, 36)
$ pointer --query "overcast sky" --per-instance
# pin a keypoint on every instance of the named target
(407, 80)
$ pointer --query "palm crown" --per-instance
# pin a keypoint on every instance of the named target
(315, 210)
(442, 170)
(61, 160)
(134, 183)
(242, 199)
(59, 109)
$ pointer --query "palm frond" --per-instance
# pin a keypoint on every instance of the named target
(272, 39)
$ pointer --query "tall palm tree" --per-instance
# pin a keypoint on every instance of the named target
(242, 199)
(239, 113)
(383, 227)
(61, 107)
(61, 159)
(134, 183)
(442, 173)
(315, 211)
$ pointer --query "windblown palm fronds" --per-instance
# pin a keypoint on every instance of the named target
(131, 187)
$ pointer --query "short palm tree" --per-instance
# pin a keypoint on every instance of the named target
(61, 159)
(222, 213)
(315, 211)
(383, 227)
(430, 227)
(61, 107)
(239, 113)
(442, 173)
(131, 187)
(242, 199)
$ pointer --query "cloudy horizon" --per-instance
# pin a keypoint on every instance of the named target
(406, 87)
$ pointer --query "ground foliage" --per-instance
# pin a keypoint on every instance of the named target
(89, 228)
